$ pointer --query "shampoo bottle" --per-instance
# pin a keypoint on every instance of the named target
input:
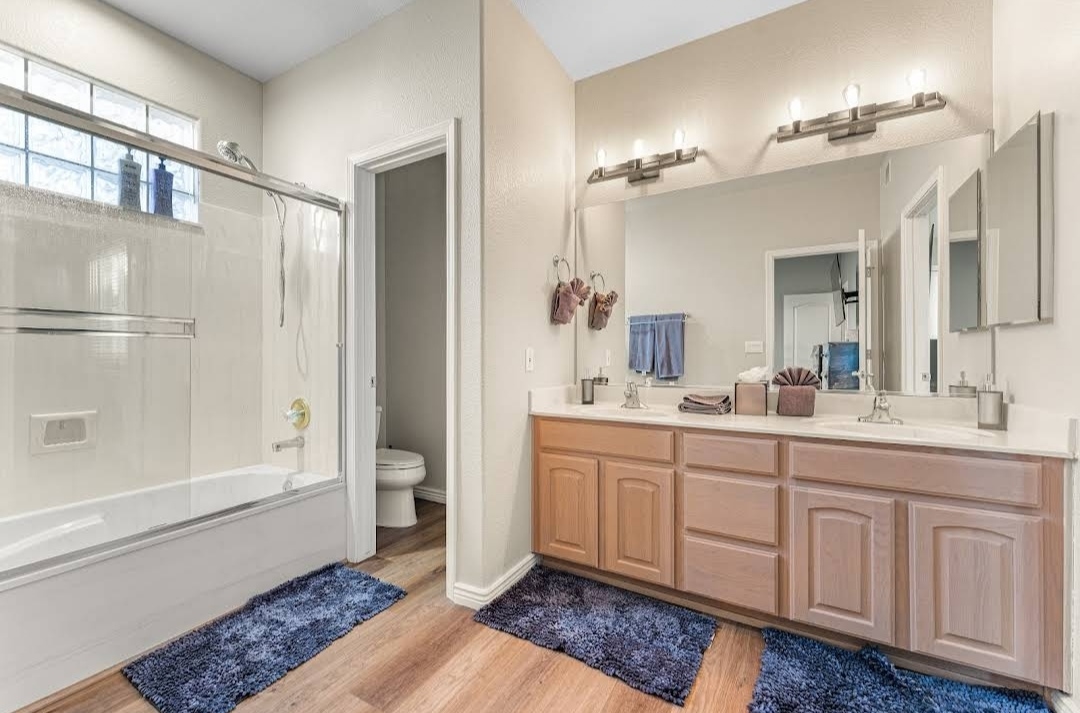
(130, 172)
(163, 182)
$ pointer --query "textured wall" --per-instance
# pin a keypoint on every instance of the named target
(414, 69)
(528, 210)
(730, 90)
(99, 41)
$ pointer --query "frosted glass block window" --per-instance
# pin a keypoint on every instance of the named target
(45, 155)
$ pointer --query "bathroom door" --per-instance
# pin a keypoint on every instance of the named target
(809, 321)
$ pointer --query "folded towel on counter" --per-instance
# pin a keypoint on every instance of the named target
(600, 308)
(642, 343)
(568, 297)
(670, 340)
(714, 405)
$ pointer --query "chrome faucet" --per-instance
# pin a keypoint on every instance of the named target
(882, 411)
(633, 399)
(279, 446)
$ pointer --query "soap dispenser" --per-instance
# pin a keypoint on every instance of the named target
(991, 406)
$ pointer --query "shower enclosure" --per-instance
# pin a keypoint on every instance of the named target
(149, 365)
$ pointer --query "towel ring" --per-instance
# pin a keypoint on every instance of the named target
(559, 262)
(592, 279)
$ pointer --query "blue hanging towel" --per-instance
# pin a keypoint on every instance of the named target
(670, 339)
(642, 342)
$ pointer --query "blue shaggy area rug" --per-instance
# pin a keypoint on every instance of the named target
(653, 646)
(213, 668)
(800, 675)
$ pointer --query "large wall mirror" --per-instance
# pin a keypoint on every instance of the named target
(872, 264)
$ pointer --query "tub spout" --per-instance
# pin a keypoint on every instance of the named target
(279, 446)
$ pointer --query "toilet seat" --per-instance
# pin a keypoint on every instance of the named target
(393, 459)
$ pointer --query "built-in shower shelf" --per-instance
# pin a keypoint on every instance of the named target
(33, 320)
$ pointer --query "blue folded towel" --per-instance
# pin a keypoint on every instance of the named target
(670, 340)
(642, 343)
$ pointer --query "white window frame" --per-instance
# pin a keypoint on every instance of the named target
(94, 169)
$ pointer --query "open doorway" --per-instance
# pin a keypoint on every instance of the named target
(401, 335)
(921, 227)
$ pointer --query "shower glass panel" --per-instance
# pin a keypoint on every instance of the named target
(144, 374)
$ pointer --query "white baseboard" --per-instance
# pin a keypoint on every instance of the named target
(435, 495)
(1064, 703)
(475, 597)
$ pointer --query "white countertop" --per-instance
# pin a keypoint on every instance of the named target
(1029, 434)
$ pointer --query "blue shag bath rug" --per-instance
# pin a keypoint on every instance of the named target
(800, 675)
(213, 668)
(653, 646)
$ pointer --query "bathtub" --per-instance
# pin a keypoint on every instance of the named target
(43, 534)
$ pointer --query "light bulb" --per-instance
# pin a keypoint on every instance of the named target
(678, 139)
(917, 81)
(794, 109)
(639, 148)
(851, 95)
(601, 158)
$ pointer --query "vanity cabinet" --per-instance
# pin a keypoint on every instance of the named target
(952, 554)
(637, 522)
(842, 562)
(567, 508)
(976, 588)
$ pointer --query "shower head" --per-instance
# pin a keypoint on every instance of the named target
(230, 151)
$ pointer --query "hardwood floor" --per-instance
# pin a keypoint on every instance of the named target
(426, 654)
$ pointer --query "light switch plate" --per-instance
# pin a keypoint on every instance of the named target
(530, 359)
(755, 347)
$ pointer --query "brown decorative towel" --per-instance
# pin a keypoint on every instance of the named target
(796, 376)
(796, 400)
(600, 308)
(568, 297)
(715, 405)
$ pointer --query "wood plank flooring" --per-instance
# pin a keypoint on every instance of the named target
(425, 654)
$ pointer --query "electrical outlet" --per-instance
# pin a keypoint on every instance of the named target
(530, 359)
(607, 357)
(754, 347)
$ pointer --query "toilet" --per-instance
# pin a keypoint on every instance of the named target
(397, 472)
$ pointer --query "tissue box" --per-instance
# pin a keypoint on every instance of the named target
(796, 400)
(751, 398)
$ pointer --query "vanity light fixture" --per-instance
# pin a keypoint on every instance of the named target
(860, 119)
(644, 166)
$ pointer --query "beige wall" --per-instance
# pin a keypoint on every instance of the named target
(411, 316)
(601, 247)
(94, 39)
(528, 208)
(414, 69)
(730, 90)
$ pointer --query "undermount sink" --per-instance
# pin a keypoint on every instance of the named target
(616, 412)
(914, 432)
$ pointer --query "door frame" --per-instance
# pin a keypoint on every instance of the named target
(360, 333)
(771, 256)
(933, 188)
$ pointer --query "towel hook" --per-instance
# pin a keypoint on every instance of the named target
(592, 279)
(559, 262)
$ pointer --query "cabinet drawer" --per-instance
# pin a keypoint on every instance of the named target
(742, 455)
(730, 507)
(987, 479)
(736, 575)
(633, 442)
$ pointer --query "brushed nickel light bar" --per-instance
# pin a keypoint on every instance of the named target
(860, 119)
(644, 167)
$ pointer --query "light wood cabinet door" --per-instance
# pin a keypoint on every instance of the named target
(843, 563)
(638, 522)
(976, 584)
(567, 508)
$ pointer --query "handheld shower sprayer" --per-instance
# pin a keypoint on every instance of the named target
(230, 151)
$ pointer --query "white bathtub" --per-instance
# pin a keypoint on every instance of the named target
(43, 534)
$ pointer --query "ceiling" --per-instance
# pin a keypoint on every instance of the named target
(593, 36)
(264, 38)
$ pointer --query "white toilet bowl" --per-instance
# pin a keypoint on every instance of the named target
(396, 474)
